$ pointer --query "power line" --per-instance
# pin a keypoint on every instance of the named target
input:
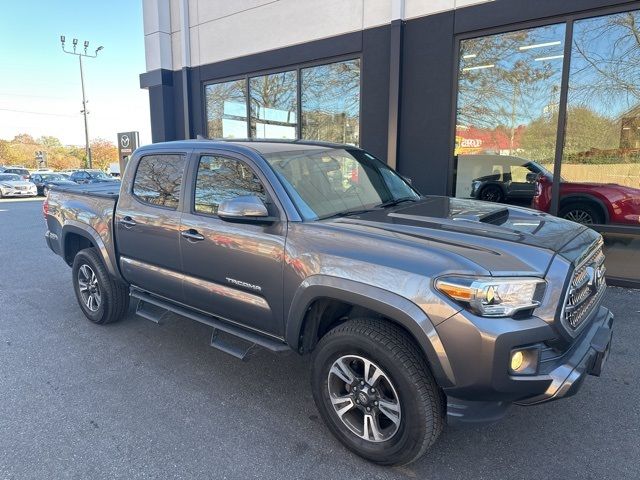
(37, 113)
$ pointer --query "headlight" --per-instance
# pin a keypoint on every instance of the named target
(493, 296)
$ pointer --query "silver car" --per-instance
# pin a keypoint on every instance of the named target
(11, 185)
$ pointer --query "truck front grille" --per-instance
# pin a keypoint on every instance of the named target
(586, 288)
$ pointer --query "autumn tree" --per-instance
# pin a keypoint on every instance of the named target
(103, 152)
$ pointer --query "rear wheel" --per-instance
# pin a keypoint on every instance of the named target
(491, 193)
(582, 212)
(375, 392)
(101, 298)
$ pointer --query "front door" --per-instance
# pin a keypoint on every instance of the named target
(147, 225)
(232, 270)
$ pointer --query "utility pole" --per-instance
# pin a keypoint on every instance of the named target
(84, 99)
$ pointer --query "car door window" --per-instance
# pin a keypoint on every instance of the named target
(222, 178)
(158, 180)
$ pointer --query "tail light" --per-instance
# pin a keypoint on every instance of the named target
(45, 207)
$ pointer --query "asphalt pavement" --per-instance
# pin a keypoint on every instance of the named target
(137, 400)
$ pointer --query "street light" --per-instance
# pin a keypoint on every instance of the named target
(84, 100)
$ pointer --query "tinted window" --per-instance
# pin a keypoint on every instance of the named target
(331, 102)
(227, 109)
(273, 105)
(158, 180)
(508, 102)
(221, 178)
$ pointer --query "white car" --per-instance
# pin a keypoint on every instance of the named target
(11, 185)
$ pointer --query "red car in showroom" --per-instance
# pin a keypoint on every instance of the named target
(590, 202)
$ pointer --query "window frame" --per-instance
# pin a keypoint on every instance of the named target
(185, 157)
(298, 67)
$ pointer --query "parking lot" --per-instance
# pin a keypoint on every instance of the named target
(140, 400)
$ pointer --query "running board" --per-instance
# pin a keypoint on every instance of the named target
(218, 325)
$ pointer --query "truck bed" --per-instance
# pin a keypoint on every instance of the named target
(85, 211)
(106, 189)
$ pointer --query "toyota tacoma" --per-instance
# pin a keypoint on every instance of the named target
(418, 311)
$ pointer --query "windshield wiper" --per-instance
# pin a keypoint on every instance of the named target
(347, 213)
(396, 201)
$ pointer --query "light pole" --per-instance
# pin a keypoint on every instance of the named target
(84, 100)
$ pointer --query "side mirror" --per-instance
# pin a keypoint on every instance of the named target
(244, 208)
(532, 177)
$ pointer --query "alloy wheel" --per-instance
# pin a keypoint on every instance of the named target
(579, 216)
(89, 288)
(364, 398)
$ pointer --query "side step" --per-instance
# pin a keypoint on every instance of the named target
(149, 305)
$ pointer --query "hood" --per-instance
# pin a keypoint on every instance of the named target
(60, 182)
(496, 237)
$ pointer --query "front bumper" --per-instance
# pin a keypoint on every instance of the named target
(484, 387)
(11, 192)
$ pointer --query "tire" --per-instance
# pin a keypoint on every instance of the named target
(492, 193)
(110, 298)
(582, 212)
(45, 191)
(418, 406)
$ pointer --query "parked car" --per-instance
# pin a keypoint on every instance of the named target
(590, 203)
(91, 176)
(416, 309)
(12, 185)
(22, 172)
(512, 179)
(44, 181)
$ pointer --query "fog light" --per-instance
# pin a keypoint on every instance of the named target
(517, 359)
(524, 361)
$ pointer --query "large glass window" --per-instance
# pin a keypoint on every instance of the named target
(331, 102)
(507, 115)
(601, 157)
(226, 105)
(158, 180)
(274, 105)
(222, 178)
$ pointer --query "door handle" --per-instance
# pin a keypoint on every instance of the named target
(192, 235)
(128, 222)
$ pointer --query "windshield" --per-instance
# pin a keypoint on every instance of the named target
(99, 174)
(9, 177)
(52, 176)
(325, 182)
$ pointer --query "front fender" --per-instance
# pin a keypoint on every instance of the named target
(398, 309)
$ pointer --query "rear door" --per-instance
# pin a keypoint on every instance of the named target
(232, 270)
(147, 223)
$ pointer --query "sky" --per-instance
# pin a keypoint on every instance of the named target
(40, 91)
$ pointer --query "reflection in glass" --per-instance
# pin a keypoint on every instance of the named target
(601, 157)
(508, 100)
(222, 178)
(331, 102)
(226, 105)
(158, 180)
(273, 105)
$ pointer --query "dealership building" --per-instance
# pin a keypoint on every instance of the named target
(516, 101)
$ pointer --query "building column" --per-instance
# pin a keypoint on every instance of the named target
(395, 68)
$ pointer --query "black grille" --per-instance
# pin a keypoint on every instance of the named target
(586, 288)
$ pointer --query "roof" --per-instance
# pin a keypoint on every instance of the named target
(261, 146)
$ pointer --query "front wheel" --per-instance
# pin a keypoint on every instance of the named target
(101, 298)
(375, 392)
(492, 193)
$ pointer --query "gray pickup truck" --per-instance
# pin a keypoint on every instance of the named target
(418, 310)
